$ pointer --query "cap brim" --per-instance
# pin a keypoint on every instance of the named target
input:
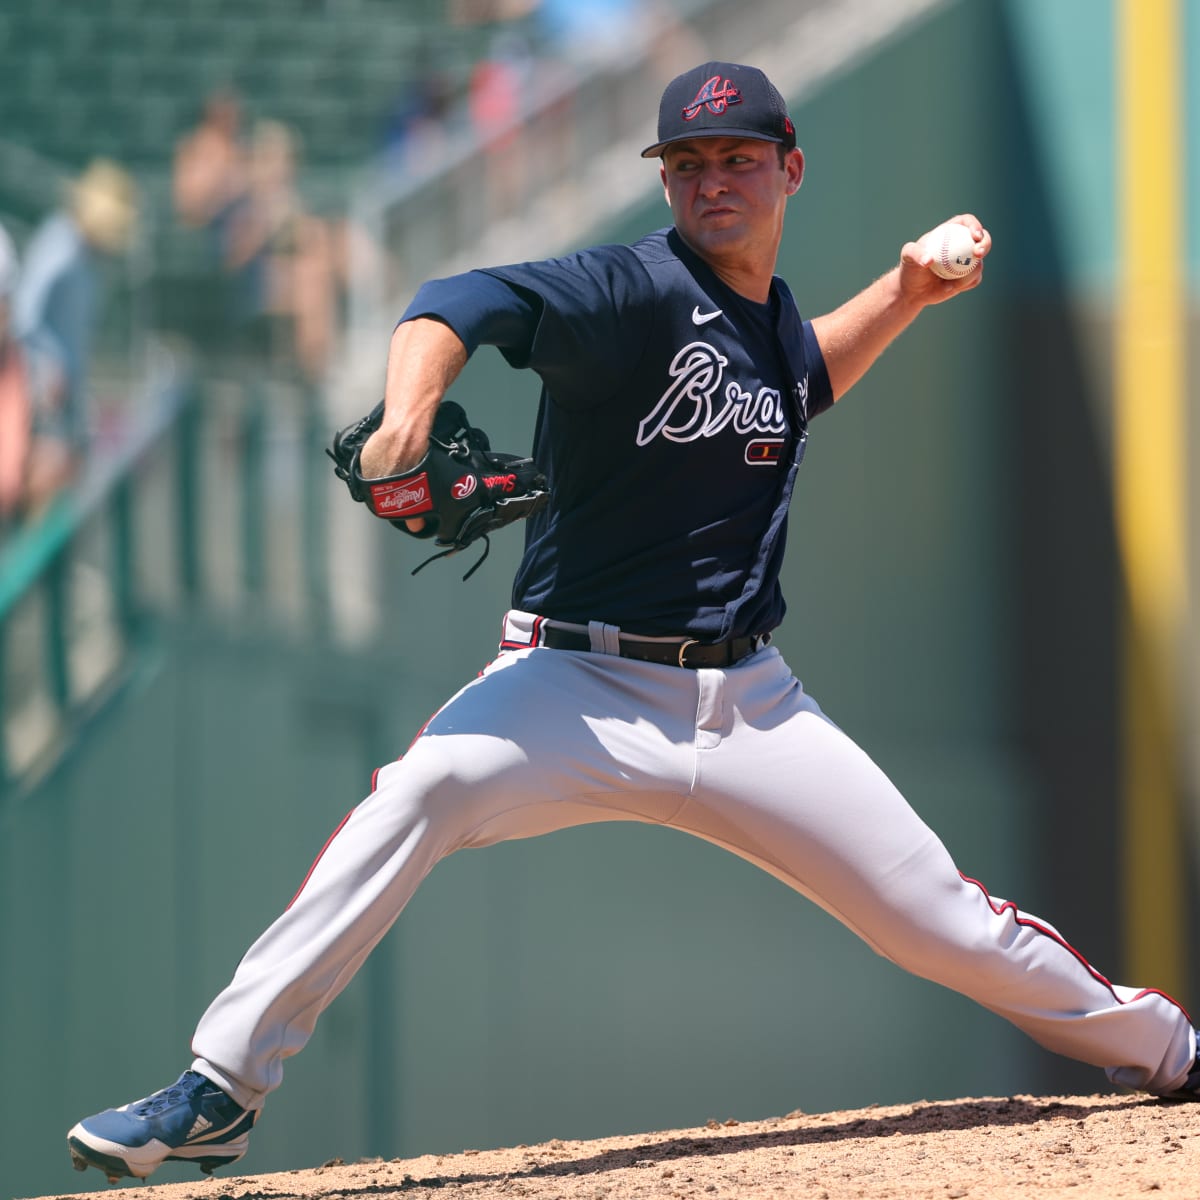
(752, 135)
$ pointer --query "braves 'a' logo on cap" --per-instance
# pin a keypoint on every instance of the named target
(716, 94)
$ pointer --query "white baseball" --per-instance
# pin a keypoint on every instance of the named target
(953, 250)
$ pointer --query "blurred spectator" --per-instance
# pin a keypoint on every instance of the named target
(57, 303)
(599, 33)
(33, 463)
(416, 132)
(209, 179)
(282, 260)
(592, 32)
(479, 12)
(210, 167)
(16, 402)
(498, 92)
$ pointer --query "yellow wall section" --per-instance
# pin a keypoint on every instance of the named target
(1149, 445)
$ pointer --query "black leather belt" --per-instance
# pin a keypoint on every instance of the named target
(688, 653)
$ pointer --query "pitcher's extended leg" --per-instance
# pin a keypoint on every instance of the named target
(794, 794)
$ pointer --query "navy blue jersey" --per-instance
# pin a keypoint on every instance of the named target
(672, 422)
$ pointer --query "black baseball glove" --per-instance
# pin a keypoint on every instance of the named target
(462, 488)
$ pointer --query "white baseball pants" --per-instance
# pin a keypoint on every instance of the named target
(743, 757)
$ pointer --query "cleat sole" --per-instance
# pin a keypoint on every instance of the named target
(83, 1156)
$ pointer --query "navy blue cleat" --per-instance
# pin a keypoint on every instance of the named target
(1189, 1089)
(190, 1121)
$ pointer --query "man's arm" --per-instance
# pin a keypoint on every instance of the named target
(424, 359)
(853, 336)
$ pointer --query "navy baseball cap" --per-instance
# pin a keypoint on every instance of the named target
(721, 99)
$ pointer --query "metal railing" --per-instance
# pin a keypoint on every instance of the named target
(69, 605)
(215, 502)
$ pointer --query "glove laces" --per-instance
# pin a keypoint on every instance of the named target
(487, 545)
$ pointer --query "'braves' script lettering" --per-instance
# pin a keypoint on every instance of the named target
(693, 406)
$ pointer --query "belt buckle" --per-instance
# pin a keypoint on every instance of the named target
(683, 649)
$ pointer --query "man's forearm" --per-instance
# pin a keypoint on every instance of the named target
(853, 336)
(424, 359)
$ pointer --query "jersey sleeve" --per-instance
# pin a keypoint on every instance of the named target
(580, 322)
(820, 390)
(798, 341)
(481, 309)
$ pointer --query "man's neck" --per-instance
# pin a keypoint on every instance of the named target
(751, 284)
(747, 274)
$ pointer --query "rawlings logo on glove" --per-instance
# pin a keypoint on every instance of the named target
(406, 498)
(462, 488)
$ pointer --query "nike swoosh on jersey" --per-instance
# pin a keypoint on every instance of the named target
(699, 318)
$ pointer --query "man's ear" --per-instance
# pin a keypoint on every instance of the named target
(794, 166)
(662, 174)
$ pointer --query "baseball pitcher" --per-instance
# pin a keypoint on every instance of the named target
(635, 678)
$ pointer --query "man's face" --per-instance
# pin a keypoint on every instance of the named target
(728, 195)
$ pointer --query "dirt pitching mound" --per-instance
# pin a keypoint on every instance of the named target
(1106, 1147)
